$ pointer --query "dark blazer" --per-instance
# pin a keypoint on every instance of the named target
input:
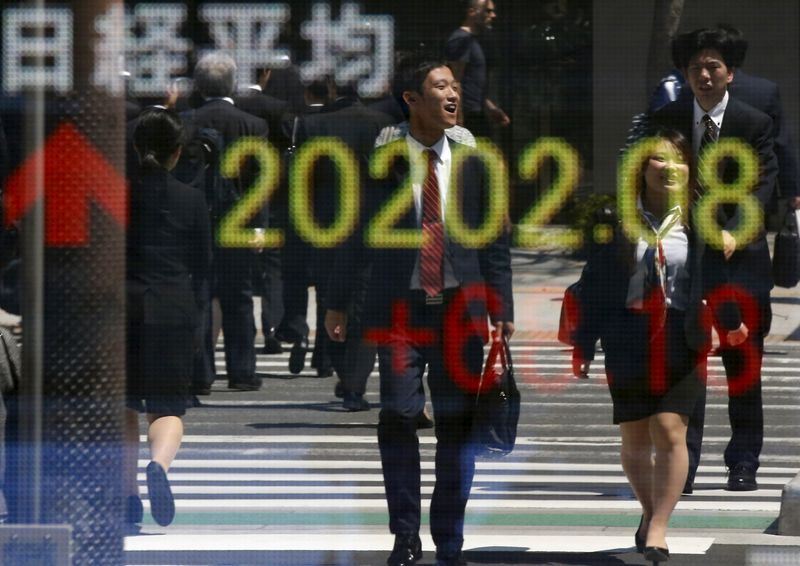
(750, 265)
(270, 109)
(354, 124)
(233, 124)
(392, 267)
(605, 281)
(764, 95)
(168, 251)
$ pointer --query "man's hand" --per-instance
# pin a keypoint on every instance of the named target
(794, 202)
(336, 325)
(580, 367)
(736, 337)
(502, 329)
(728, 244)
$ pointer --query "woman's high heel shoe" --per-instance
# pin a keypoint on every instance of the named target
(639, 538)
(656, 554)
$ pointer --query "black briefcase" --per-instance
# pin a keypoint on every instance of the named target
(786, 255)
(497, 405)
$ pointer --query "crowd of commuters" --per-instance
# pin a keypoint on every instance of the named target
(647, 295)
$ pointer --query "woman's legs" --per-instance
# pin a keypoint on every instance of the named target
(637, 462)
(668, 432)
(165, 434)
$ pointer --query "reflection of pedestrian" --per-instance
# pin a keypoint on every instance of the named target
(467, 60)
(273, 111)
(426, 284)
(168, 259)
(704, 55)
(640, 298)
(234, 268)
(347, 120)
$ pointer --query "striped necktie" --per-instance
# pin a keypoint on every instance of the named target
(710, 135)
(432, 250)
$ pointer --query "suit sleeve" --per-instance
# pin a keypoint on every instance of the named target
(201, 262)
(593, 297)
(784, 149)
(352, 257)
(495, 262)
(762, 143)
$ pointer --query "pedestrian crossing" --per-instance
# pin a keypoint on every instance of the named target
(289, 461)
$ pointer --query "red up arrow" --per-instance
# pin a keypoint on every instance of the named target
(74, 173)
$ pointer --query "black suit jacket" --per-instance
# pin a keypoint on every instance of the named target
(606, 278)
(270, 109)
(764, 95)
(357, 126)
(233, 124)
(392, 267)
(168, 250)
(750, 265)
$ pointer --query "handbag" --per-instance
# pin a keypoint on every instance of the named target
(497, 405)
(570, 312)
(786, 255)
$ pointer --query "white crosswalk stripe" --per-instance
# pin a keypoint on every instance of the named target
(566, 460)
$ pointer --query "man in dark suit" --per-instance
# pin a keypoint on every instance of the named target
(233, 268)
(348, 120)
(426, 305)
(704, 55)
(273, 111)
(298, 257)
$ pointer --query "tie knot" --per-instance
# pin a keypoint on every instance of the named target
(432, 156)
(709, 123)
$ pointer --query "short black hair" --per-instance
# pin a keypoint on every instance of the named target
(412, 71)
(728, 41)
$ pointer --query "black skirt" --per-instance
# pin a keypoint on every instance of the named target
(650, 373)
(159, 364)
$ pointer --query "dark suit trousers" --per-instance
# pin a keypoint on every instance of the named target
(745, 409)
(402, 362)
(296, 263)
(354, 359)
(234, 272)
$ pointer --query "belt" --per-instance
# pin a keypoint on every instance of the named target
(434, 300)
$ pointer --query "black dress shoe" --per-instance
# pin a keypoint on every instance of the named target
(354, 402)
(688, 487)
(162, 504)
(406, 552)
(656, 554)
(272, 345)
(297, 356)
(245, 385)
(742, 477)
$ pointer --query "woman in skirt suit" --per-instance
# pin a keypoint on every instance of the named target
(643, 297)
(168, 258)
